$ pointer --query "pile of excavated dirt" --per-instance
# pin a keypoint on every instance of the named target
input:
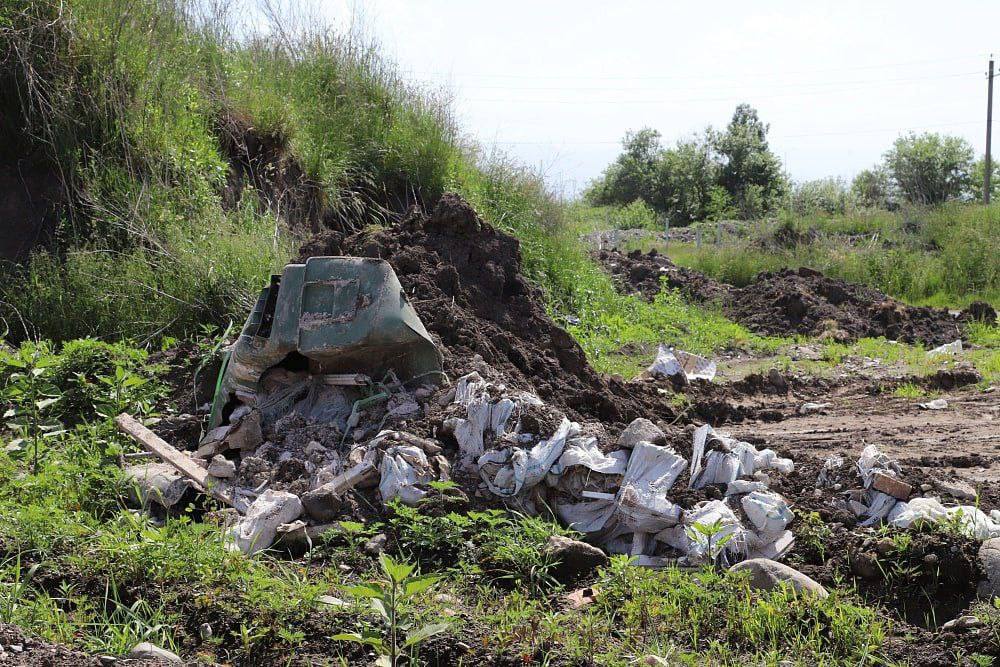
(797, 301)
(464, 278)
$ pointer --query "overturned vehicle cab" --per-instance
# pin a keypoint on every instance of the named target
(325, 339)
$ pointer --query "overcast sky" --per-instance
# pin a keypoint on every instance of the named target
(557, 84)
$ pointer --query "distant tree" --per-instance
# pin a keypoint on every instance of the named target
(975, 185)
(930, 168)
(750, 172)
(633, 174)
(685, 178)
(824, 195)
(870, 188)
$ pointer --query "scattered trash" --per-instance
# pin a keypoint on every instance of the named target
(936, 404)
(970, 520)
(670, 362)
(813, 408)
(581, 597)
(953, 347)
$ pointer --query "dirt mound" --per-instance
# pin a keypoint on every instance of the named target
(464, 278)
(644, 273)
(796, 301)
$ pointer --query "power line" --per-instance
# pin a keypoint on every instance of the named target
(743, 74)
(774, 136)
(715, 99)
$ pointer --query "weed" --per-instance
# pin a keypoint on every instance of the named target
(909, 390)
(393, 598)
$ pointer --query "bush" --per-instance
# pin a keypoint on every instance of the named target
(930, 168)
(870, 188)
(826, 195)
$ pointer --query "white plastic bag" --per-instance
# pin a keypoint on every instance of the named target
(507, 472)
(402, 468)
(767, 511)
(256, 531)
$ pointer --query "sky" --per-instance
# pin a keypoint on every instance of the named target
(556, 84)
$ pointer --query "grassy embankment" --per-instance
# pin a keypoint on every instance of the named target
(131, 103)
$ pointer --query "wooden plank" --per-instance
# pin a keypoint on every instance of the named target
(180, 461)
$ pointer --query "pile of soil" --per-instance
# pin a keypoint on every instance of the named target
(464, 278)
(797, 301)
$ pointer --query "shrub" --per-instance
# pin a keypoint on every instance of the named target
(929, 168)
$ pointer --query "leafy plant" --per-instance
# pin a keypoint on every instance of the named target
(31, 395)
(392, 599)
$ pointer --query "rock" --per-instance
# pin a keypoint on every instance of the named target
(936, 404)
(776, 380)
(641, 430)
(812, 408)
(581, 597)
(331, 601)
(768, 574)
(989, 558)
(105, 660)
(147, 651)
(221, 467)
(956, 489)
(885, 546)
(376, 545)
(205, 631)
(926, 487)
(866, 566)
(962, 623)
(575, 558)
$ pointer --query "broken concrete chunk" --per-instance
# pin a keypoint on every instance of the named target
(221, 467)
(575, 558)
(157, 482)
(641, 430)
(956, 489)
(767, 574)
(246, 435)
(324, 503)
(256, 531)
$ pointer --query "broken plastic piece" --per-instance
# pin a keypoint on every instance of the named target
(256, 531)
(953, 347)
(673, 362)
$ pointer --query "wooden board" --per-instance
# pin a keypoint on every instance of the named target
(180, 461)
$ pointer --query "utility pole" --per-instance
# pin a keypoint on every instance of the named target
(989, 135)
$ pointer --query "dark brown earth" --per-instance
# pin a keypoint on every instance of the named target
(464, 278)
(17, 648)
(797, 301)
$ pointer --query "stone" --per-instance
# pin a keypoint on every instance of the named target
(962, 623)
(989, 559)
(148, 651)
(865, 565)
(581, 597)
(768, 574)
(575, 558)
(205, 631)
(105, 660)
(331, 601)
(956, 489)
(776, 380)
(221, 467)
(641, 430)
(376, 545)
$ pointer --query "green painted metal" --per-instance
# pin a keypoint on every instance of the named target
(343, 314)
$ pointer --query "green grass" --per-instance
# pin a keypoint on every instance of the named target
(909, 390)
(945, 256)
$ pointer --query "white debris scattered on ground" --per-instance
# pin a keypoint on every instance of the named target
(256, 531)
(670, 362)
(812, 408)
(936, 404)
(953, 347)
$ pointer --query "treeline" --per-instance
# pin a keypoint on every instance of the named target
(714, 175)
(733, 173)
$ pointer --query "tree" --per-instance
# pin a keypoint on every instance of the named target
(975, 186)
(870, 188)
(686, 175)
(750, 172)
(632, 175)
(930, 168)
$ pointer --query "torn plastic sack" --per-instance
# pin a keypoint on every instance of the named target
(873, 460)
(642, 502)
(829, 474)
(767, 511)
(583, 466)
(588, 516)
(256, 531)
(674, 362)
(709, 531)
(403, 468)
(973, 522)
(509, 471)
(484, 416)
(728, 459)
